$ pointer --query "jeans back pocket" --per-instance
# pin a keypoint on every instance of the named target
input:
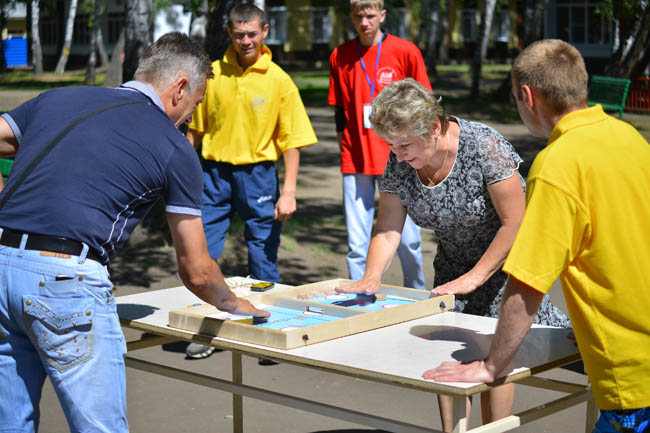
(62, 328)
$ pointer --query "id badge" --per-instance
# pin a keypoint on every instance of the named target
(367, 109)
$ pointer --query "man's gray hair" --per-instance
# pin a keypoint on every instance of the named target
(172, 56)
(407, 106)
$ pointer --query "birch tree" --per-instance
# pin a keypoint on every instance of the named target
(100, 7)
(138, 33)
(199, 23)
(430, 55)
(91, 70)
(5, 5)
(480, 51)
(636, 60)
(37, 51)
(67, 41)
(632, 53)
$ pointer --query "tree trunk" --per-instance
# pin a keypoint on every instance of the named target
(99, 24)
(641, 66)
(639, 46)
(37, 51)
(3, 22)
(114, 72)
(425, 9)
(443, 49)
(533, 31)
(199, 23)
(480, 50)
(91, 71)
(432, 39)
(218, 39)
(67, 42)
(138, 34)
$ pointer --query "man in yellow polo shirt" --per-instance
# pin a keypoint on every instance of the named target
(251, 114)
(588, 222)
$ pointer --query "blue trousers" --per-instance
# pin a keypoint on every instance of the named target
(623, 421)
(359, 205)
(58, 319)
(250, 190)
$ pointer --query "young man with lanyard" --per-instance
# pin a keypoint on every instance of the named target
(586, 221)
(252, 113)
(90, 163)
(359, 69)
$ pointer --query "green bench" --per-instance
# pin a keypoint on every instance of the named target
(610, 92)
(5, 167)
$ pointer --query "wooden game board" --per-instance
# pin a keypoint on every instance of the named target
(308, 314)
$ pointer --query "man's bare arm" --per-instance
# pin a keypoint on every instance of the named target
(518, 310)
(200, 274)
(8, 142)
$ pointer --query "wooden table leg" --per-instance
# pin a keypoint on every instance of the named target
(592, 414)
(460, 414)
(237, 399)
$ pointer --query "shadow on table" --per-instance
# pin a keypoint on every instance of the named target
(476, 345)
(135, 311)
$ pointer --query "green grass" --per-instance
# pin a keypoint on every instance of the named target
(24, 79)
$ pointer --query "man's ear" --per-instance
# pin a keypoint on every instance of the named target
(382, 15)
(179, 89)
(265, 31)
(528, 97)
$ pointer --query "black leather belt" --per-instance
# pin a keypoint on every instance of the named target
(53, 244)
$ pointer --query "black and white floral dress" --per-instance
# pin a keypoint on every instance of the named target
(460, 212)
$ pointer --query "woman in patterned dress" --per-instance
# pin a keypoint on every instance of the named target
(460, 179)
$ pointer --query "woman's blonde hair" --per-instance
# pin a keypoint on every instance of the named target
(406, 106)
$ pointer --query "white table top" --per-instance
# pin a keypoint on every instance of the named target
(397, 354)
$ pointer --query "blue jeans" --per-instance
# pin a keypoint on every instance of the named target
(58, 318)
(250, 190)
(359, 205)
(623, 421)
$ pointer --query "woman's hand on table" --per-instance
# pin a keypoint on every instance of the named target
(367, 286)
(460, 286)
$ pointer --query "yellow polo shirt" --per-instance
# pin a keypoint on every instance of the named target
(250, 116)
(588, 221)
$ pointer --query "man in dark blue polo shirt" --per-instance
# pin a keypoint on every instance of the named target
(113, 153)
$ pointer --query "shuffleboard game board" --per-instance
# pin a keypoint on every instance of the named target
(312, 313)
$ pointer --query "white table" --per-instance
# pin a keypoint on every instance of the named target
(396, 354)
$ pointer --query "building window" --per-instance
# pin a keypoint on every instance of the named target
(583, 22)
(469, 25)
(321, 25)
(277, 18)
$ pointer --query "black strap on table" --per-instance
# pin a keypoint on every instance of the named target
(47, 149)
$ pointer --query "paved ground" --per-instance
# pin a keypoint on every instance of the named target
(164, 405)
